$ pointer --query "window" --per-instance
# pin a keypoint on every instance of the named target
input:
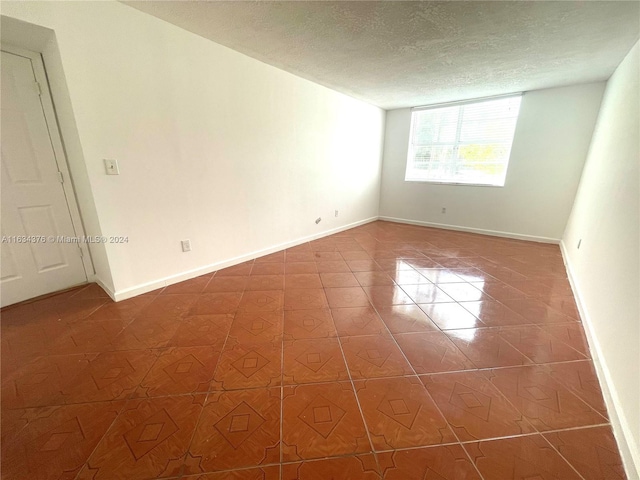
(463, 143)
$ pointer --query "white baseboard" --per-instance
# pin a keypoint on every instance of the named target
(181, 277)
(108, 290)
(629, 451)
(493, 233)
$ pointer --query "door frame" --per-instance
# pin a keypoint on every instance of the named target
(59, 152)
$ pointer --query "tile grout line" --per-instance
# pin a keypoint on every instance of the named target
(207, 394)
(562, 456)
(355, 394)
(86, 462)
(427, 391)
(284, 287)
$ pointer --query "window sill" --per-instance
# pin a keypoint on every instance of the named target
(458, 184)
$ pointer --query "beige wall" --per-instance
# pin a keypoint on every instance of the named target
(549, 149)
(606, 268)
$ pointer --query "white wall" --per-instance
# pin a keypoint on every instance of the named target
(39, 39)
(213, 146)
(606, 269)
(550, 146)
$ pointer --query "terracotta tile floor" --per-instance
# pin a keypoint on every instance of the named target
(386, 351)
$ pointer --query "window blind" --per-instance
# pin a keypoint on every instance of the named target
(466, 143)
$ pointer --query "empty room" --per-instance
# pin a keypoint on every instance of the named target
(320, 240)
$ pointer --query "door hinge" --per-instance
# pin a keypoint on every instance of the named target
(81, 252)
(38, 89)
(60, 177)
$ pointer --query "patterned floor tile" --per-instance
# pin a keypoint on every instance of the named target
(300, 267)
(149, 439)
(260, 327)
(236, 429)
(369, 279)
(493, 314)
(346, 297)
(426, 294)
(123, 310)
(406, 319)
(300, 324)
(357, 467)
(327, 256)
(39, 383)
(21, 344)
(354, 254)
(486, 348)
(409, 277)
(593, 452)
(473, 407)
(536, 311)
(180, 370)
(243, 366)
(374, 356)
(399, 413)
(299, 257)
(439, 275)
(432, 352)
(581, 379)
(384, 296)
(268, 268)
(498, 290)
(198, 330)
(313, 360)
(538, 345)
(172, 306)
(264, 473)
(529, 457)
(110, 376)
(88, 337)
(322, 420)
(448, 462)
(450, 316)
(333, 266)
(70, 310)
(262, 301)
(462, 292)
(305, 299)
(453, 304)
(265, 282)
(570, 333)
(56, 442)
(216, 303)
(227, 284)
(339, 280)
(146, 332)
(302, 280)
(357, 321)
(547, 404)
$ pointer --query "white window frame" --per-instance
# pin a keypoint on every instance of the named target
(457, 142)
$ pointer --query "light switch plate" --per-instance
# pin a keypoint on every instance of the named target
(111, 166)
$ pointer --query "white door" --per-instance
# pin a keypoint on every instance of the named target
(33, 202)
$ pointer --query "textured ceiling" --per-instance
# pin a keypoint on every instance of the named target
(399, 54)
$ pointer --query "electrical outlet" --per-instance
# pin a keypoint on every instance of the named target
(111, 166)
(186, 245)
(444, 209)
(336, 213)
(318, 220)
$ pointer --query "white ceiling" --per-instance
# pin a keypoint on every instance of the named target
(399, 54)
